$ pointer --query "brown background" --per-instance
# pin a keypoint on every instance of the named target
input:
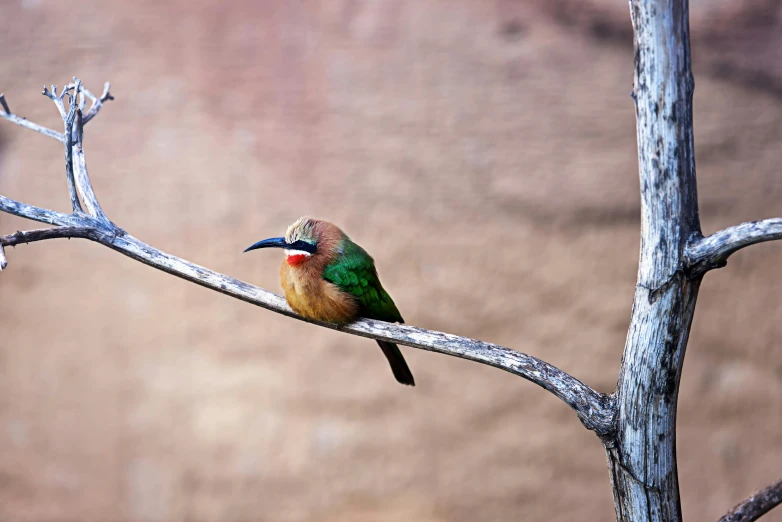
(483, 152)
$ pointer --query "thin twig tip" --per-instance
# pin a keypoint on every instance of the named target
(4, 103)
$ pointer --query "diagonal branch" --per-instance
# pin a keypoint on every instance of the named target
(43, 215)
(713, 251)
(79, 163)
(757, 505)
(97, 103)
(13, 118)
(594, 409)
(4, 104)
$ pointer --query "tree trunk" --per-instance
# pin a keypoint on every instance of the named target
(642, 454)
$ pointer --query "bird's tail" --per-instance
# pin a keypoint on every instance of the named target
(397, 362)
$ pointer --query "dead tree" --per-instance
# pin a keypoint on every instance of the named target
(636, 423)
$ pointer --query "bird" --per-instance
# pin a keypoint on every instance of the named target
(328, 277)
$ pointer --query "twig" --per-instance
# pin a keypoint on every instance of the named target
(79, 163)
(757, 505)
(42, 215)
(3, 260)
(75, 164)
(97, 103)
(713, 251)
(13, 118)
(31, 236)
(56, 99)
(594, 409)
(75, 204)
(4, 103)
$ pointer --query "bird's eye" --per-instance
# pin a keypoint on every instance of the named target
(304, 245)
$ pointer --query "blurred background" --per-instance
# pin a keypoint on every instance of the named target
(483, 152)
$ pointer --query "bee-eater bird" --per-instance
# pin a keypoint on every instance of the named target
(327, 277)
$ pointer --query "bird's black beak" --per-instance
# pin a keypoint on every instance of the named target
(279, 242)
(272, 242)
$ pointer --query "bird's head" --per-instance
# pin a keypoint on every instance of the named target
(303, 240)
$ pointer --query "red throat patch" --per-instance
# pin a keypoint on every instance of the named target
(297, 259)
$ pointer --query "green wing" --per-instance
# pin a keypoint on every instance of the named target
(354, 272)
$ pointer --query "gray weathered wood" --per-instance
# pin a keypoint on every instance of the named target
(713, 251)
(70, 119)
(97, 102)
(13, 118)
(42, 215)
(642, 457)
(83, 184)
(78, 162)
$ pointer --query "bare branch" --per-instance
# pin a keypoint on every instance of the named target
(13, 118)
(713, 251)
(41, 234)
(56, 99)
(31, 236)
(76, 166)
(51, 95)
(97, 103)
(594, 409)
(79, 163)
(3, 260)
(757, 505)
(4, 104)
(69, 120)
(43, 215)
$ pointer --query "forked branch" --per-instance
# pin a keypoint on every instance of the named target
(595, 410)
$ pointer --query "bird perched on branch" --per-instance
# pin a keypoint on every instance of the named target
(327, 277)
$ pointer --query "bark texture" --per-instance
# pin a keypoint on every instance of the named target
(712, 252)
(642, 458)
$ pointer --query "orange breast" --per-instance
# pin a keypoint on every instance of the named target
(315, 298)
